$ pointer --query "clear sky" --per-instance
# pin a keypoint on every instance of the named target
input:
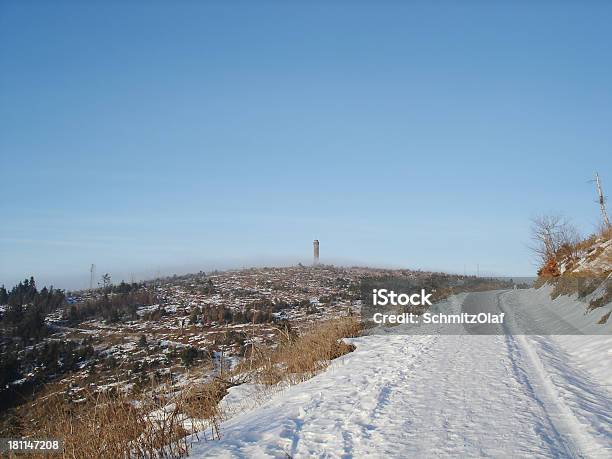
(179, 136)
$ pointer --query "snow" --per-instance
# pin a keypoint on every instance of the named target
(532, 312)
(598, 259)
(407, 394)
(592, 351)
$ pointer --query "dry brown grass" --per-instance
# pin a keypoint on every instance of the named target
(301, 357)
(202, 402)
(581, 283)
(585, 244)
(603, 299)
(605, 232)
(152, 424)
(112, 425)
(604, 319)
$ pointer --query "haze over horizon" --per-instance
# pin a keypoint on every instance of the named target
(195, 136)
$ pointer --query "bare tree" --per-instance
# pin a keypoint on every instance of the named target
(552, 235)
(602, 201)
(106, 281)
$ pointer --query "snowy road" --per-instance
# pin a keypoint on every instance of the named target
(438, 395)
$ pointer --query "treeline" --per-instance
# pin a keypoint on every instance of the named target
(124, 287)
(105, 286)
(257, 312)
(26, 293)
(112, 307)
(26, 307)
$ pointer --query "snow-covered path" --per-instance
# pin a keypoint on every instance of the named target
(435, 395)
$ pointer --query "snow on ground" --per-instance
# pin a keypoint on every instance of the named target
(599, 258)
(595, 259)
(424, 395)
(565, 315)
(590, 352)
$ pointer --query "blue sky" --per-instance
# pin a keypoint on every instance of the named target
(179, 136)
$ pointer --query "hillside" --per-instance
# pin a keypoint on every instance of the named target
(591, 256)
(582, 270)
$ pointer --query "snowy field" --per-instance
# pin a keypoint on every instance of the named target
(433, 395)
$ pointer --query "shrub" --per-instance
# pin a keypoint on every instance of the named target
(550, 269)
(188, 355)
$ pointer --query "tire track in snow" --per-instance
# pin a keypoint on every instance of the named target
(572, 434)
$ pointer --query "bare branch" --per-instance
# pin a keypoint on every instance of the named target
(550, 235)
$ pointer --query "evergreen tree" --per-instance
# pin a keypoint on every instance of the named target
(3, 295)
(188, 355)
(193, 316)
